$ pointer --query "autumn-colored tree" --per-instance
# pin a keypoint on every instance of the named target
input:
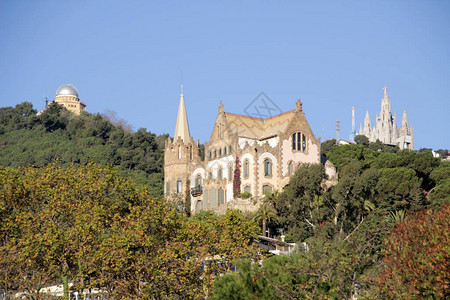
(417, 257)
(87, 225)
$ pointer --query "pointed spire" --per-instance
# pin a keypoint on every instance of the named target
(182, 127)
(404, 119)
(221, 107)
(367, 120)
(385, 105)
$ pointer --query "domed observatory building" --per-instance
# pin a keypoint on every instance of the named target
(67, 96)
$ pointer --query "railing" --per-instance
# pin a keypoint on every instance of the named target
(197, 191)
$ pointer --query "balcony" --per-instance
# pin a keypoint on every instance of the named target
(197, 191)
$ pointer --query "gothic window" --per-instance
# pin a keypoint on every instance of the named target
(220, 152)
(221, 196)
(267, 189)
(298, 142)
(247, 189)
(267, 167)
(198, 180)
(209, 155)
(168, 187)
(303, 143)
(220, 173)
(215, 153)
(210, 174)
(179, 152)
(205, 198)
(290, 169)
(246, 168)
(213, 197)
(198, 206)
(230, 172)
(224, 150)
(229, 149)
(179, 186)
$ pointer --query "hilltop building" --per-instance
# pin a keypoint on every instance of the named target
(270, 151)
(67, 96)
(386, 127)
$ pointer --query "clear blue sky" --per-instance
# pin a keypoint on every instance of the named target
(127, 56)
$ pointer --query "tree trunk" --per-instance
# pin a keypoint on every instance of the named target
(65, 282)
(264, 226)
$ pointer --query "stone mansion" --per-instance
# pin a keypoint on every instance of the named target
(270, 150)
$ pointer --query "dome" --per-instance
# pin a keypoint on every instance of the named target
(67, 90)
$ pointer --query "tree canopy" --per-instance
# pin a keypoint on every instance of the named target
(28, 138)
(88, 225)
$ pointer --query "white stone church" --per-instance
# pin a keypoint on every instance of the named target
(386, 129)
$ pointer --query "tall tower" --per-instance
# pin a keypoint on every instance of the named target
(386, 124)
(405, 135)
(338, 130)
(180, 155)
(353, 132)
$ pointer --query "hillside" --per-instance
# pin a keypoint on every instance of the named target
(28, 138)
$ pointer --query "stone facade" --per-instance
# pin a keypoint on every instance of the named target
(270, 151)
(71, 103)
(386, 127)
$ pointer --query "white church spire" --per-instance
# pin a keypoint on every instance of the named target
(404, 119)
(182, 127)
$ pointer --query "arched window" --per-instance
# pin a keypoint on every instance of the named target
(168, 187)
(210, 174)
(220, 173)
(221, 196)
(179, 186)
(290, 169)
(298, 141)
(229, 149)
(247, 189)
(220, 152)
(215, 153)
(198, 180)
(303, 143)
(267, 167)
(179, 152)
(198, 206)
(224, 150)
(267, 189)
(230, 172)
(246, 168)
(209, 155)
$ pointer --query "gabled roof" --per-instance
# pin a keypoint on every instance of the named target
(258, 128)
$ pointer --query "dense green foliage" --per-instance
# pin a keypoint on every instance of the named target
(57, 134)
(350, 228)
(380, 232)
(87, 225)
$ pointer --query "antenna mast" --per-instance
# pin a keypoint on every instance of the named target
(353, 132)
(338, 129)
